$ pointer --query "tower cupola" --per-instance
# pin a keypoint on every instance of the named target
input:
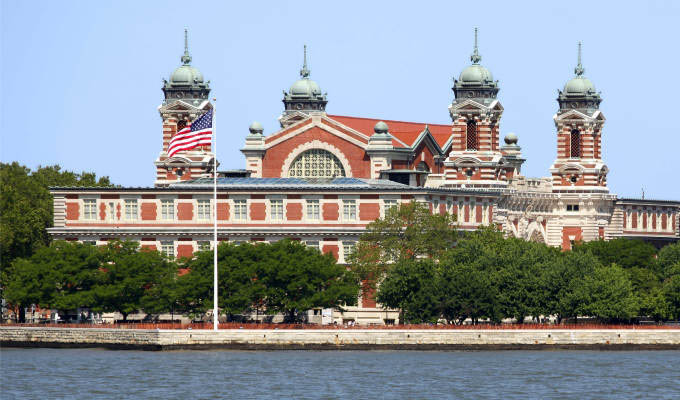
(186, 82)
(579, 92)
(304, 95)
(476, 81)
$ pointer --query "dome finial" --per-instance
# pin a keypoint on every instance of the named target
(186, 58)
(304, 72)
(579, 70)
(475, 57)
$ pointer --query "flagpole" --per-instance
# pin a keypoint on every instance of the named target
(215, 305)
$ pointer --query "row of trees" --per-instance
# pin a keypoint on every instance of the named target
(283, 277)
(484, 275)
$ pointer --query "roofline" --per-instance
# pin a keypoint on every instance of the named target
(386, 120)
(653, 201)
(259, 188)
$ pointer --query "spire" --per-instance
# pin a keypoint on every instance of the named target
(579, 70)
(304, 72)
(475, 57)
(186, 58)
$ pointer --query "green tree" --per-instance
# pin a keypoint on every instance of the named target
(125, 277)
(61, 276)
(626, 253)
(26, 206)
(407, 232)
(668, 259)
(671, 291)
(413, 287)
(562, 293)
(299, 278)
(467, 292)
(607, 294)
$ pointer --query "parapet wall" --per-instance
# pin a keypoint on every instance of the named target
(340, 339)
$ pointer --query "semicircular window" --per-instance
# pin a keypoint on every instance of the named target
(316, 163)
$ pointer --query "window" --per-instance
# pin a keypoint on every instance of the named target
(349, 210)
(131, 209)
(473, 212)
(347, 249)
(90, 209)
(90, 242)
(203, 245)
(240, 210)
(313, 244)
(203, 209)
(313, 209)
(111, 214)
(575, 143)
(167, 209)
(471, 135)
(276, 209)
(449, 206)
(316, 163)
(168, 248)
(389, 203)
(435, 206)
(572, 207)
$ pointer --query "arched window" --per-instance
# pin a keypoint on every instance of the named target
(472, 135)
(575, 143)
(181, 125)
(316, 163)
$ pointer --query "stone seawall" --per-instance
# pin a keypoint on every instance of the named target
(335, 339)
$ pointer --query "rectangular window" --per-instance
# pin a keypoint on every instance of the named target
(313, 244)
(389, 203)
(203, 245)
(347, 249)
(572, 207)
(168, 248)
(276, 209)
(435, 206)
(167, 209)
(449, 206)
(203, 207)
(111, 214)
(240, 210)
(313, 209)
(89, 209)
(349, 210)
(131, 209)
(90, 242)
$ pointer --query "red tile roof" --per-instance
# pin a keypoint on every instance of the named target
(406, 133)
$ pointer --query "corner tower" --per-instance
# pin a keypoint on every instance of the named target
(186, 97)
(303, 98)
(476, 159)
(579, 124)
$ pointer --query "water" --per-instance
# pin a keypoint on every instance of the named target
(105, 374)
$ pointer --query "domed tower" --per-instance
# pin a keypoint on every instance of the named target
(475, 158)
(579, 123)
(303, 98)
(186, 97)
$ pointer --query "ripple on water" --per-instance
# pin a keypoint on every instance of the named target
(92, 373)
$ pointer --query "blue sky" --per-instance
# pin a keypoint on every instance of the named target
(81, 80)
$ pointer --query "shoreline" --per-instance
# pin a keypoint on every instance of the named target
(355, 339)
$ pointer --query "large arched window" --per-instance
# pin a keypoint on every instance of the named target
(316, 163)
(575, 144)
(472, 135)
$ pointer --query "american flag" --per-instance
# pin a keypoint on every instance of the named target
(197, 134)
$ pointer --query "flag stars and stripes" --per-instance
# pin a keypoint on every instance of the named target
(199, 133)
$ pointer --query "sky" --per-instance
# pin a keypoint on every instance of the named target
(81, 80)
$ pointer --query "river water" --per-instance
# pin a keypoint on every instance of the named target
(223, 374)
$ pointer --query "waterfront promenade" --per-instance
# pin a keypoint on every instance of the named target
(350, 339)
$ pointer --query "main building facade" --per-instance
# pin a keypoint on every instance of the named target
(321, 178)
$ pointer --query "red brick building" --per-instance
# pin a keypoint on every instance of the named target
(321, 178)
